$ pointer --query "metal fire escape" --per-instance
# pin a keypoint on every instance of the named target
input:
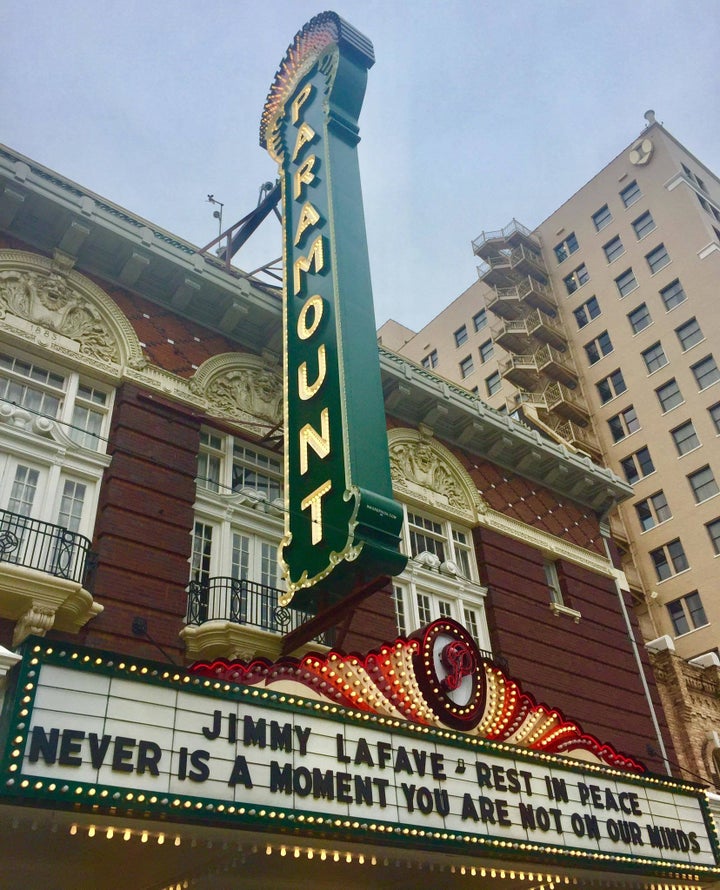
(526, 325)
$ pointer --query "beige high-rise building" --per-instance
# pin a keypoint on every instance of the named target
(601, 328)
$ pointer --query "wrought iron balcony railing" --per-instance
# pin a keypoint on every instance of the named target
(243, 602)
(46, 547)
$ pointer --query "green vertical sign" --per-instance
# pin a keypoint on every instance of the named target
(342, 525)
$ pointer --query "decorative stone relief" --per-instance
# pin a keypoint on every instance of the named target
(47, 303)
(14, 416)
(38, 619)
(426, 473)
(241, 388)
(424, 470)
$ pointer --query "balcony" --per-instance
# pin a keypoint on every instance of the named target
(497, 270)
(557, 365)
(505, 301)
(546, 328)
(558, 400)
(526, 370)
(536, 294)
(237, 618)
(520, 370)
(513, 235)
(527, 261)
(512, 334)
(45, 575)
(40, 545)
(523, 334)
(580, 438)
(566, 403)
(512, 297)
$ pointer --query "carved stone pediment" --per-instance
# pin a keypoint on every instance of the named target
(426, 472)
(53, 306)
(241, 388)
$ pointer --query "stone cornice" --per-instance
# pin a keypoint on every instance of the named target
(553, 547)
(135, 254)
(455, 415)
(215, 639)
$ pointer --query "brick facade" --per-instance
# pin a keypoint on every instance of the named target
(585, 669)
(691, 698)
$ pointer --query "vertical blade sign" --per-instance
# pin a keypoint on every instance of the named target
(342, 525)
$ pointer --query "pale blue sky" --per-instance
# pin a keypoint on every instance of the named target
(475, 112)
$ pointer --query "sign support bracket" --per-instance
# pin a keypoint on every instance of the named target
(331, 615)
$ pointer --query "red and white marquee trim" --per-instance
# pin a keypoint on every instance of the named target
(438, 678)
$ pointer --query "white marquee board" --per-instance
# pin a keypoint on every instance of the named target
(197, 753)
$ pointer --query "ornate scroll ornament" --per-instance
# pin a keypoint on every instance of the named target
(38, 620)
(426, 472)
(46, 303)
(241, 388)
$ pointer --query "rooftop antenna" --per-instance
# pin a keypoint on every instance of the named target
(217, 213)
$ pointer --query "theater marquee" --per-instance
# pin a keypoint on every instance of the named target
(342, 525)
(92, 729)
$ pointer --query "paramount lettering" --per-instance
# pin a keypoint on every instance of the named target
(342, 526)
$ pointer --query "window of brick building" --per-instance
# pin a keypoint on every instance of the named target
(687, 613)
(669, 559)
(576, 279)
(566, 247)
(706, 372)
(643, 225)
(703, 484)
(673, 294)
(630, 194)
(585, 313)
(654, 357)
(599, 347)
(626, 283)
(638, 465)
(689, 334)
(639, 318)
(623, 423)
(602, 217)
(613, 249)
(611, 386)
(430, 360)
(657, 258)
(685, 438)
(669, 395)
(653, 510)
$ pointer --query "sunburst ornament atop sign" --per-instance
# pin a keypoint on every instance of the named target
(342, 529)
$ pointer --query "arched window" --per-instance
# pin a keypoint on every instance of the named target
(441, 506)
